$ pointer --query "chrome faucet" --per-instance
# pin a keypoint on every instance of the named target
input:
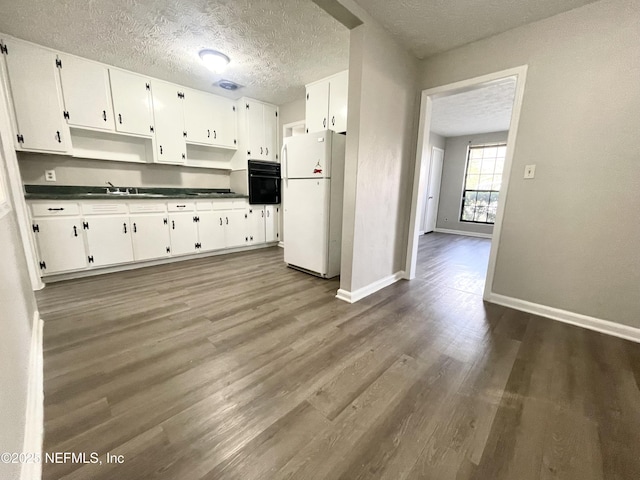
(116, 189)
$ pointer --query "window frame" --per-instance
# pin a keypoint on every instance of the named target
(489, 192)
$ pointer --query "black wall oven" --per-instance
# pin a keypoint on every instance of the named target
(264, 183)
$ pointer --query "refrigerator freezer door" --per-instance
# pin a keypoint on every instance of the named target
(308, 156)
(306, 223)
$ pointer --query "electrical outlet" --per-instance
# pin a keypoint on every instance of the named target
(529, 171)
(50, 175)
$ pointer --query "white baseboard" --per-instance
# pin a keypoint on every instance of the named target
(281, 244)
(565, 316)
(359, 294)
(462, 232)
(34, 424)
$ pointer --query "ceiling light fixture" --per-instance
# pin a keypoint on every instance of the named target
(214, 60)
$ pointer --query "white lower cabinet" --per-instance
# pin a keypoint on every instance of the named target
(150, 235)
(211, 230)
(257, 224)
(108, 240)
(272, 223)
(60, 244)
(184, 233)
(235, 232)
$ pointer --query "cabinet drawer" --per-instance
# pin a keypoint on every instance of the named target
(50, 209)
(226, 204)
(182, 206)
(103, 208)
(204, 206)
(240, 204)
(145, 207)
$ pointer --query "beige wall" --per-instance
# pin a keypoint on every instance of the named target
(291, 112)
(78, 171)
(453, 170)
(17, 307)
(570, 236)
(383, 100)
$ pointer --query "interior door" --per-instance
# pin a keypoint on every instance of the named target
(306, 211)
(433, 192)
(86, 93)
(131, 95)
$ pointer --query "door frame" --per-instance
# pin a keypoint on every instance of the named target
(429, 171)
(419, 183)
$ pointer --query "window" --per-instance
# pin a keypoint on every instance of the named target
(482, 182)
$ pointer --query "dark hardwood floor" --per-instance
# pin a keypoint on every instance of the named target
(235, 367)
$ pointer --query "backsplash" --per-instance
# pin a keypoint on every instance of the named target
(78, 171)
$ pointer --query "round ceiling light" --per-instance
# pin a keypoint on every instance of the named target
(214, 60)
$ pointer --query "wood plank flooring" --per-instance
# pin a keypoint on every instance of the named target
(235, 367)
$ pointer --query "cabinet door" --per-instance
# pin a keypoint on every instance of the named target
(225, 122)
(255, 130)
(108, 240)
(60, 244)
(338, 96)
(236, 231)
(131, 96)
(184, 233)
(257, 224)
(278, 223)
(211, 231)
(86, 93)
(317, 108)
(168, 114)
(150, 235)
(33, 78)
(198, 117)
(270, 133)
(270, 224)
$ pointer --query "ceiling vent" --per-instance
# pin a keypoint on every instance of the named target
(227, 85)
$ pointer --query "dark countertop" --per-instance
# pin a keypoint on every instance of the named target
(63, 192)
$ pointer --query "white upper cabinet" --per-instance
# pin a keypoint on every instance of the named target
(131, 96)
(317, 107)
(258, 131)
(326, 107)
(168, 114)
(225, 122)
(270, 114)
(198, 117)
(34, 83)
(338, 97)
(86, 93)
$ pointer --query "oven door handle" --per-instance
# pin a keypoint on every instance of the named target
(253, 175)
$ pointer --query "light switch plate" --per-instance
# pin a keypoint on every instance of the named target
(50, 175)
(529, 171)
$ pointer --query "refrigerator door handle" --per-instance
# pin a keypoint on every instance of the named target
(285, 160)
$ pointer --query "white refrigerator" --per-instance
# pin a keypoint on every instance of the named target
(312, 191)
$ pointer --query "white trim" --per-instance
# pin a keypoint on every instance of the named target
(281, 244)
(353, 297)
(417, 207)
(462, 232)
(591, 323)
(34, 422)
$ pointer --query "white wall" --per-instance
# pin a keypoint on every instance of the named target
(78, 171)
(17, 307)
(569, 237)
(291, 112)
(383, 104)
(453, 171)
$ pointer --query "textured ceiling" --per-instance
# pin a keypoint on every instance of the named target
(484, 110)
(427, 27)
(276, 46)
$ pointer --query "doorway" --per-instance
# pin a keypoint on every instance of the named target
(419, 205)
